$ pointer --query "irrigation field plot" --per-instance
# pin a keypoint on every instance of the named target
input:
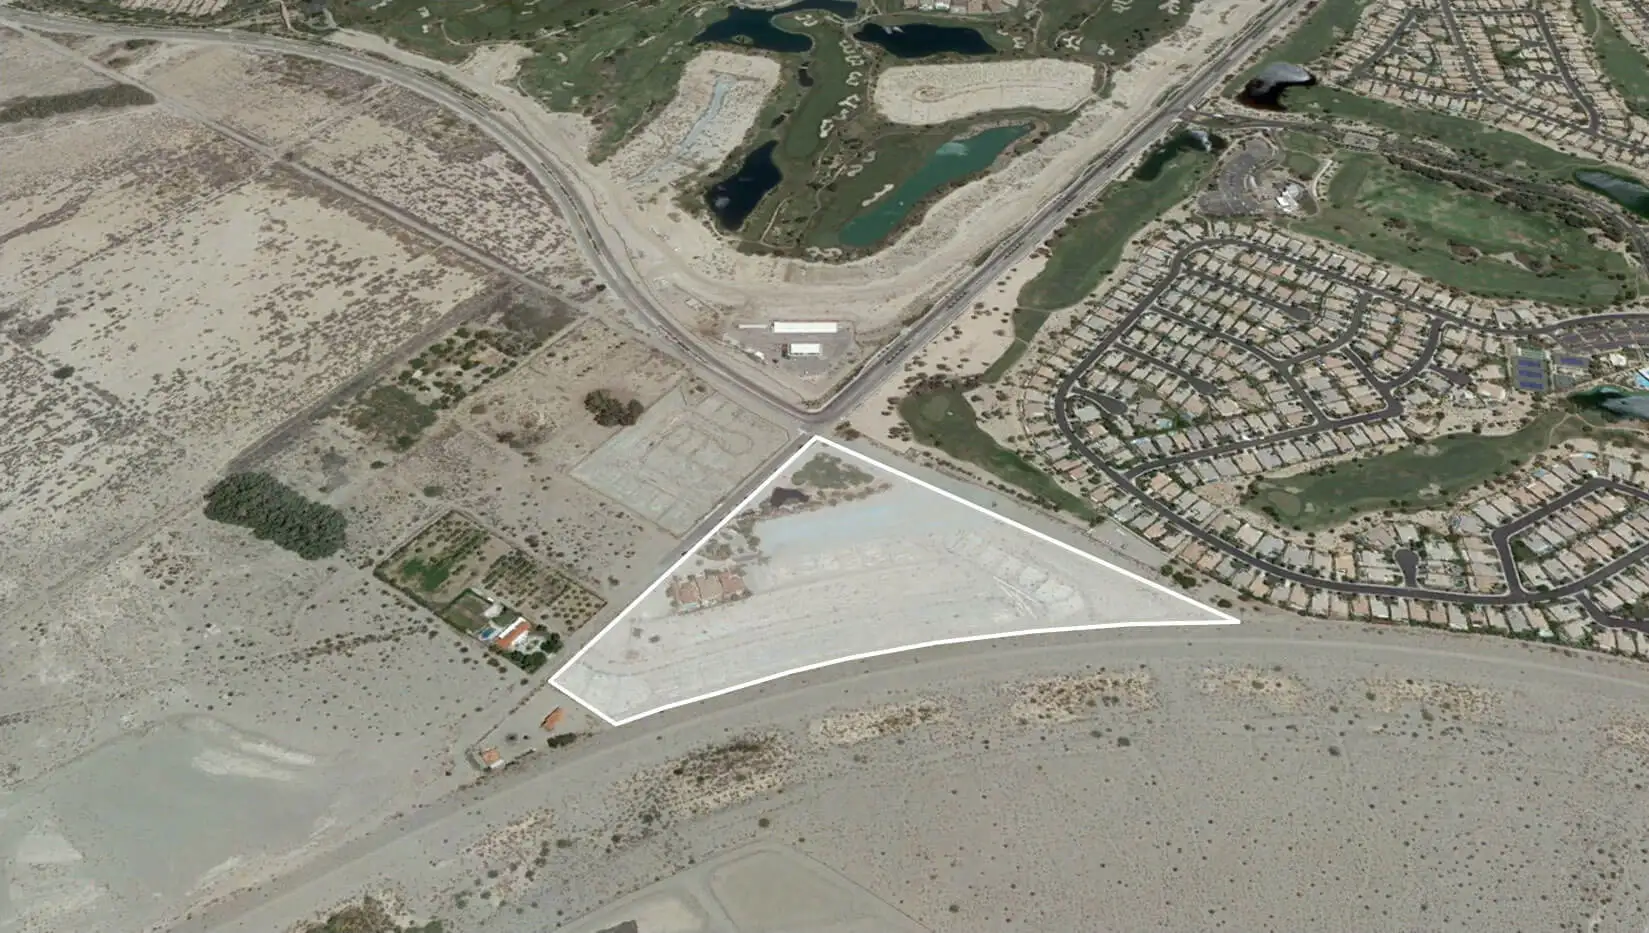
(837, 558)
(481, 585)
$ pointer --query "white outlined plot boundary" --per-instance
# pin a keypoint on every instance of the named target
(1213, 617)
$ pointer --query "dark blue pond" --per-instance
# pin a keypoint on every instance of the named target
(1627, 192)
(1191, 140)
(733, 198)
(920, 40)
(744, 26)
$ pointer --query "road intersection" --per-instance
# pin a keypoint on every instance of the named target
(602, 241)
(1133, 478)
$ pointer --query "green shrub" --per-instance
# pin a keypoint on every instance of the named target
(278, 514)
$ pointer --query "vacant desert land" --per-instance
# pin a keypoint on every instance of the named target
(174, 303)
(836, 558)
(1277, 775)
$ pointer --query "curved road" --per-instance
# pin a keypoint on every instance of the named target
(891, 678)
(604, 247)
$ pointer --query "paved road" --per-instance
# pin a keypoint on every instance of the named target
(598, 759)
(602, 244)
(1071, 394)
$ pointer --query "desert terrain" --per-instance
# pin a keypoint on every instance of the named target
(218, 262)
(1276, 775)
(838, 557)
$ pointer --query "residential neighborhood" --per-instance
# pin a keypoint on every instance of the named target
(1208, 399)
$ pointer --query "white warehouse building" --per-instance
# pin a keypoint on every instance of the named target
(803, 349)
(805, 327)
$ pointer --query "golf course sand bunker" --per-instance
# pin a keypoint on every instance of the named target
(927, 95)
(153, 820)
(836, 558)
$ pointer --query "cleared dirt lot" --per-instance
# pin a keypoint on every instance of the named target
(836, 558)
(1495, 791)
(720, 95)
(928, 95)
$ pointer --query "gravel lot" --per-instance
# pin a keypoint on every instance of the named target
(900, 565)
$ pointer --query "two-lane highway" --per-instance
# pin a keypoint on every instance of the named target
(602, 242)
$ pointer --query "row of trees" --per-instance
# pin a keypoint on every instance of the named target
(277, 513)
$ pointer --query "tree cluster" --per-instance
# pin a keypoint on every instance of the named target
(609, 411)
(277, 513)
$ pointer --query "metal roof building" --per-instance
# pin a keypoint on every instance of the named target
(805, 327)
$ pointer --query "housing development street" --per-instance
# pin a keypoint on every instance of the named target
(607, 467)
(1341, 381)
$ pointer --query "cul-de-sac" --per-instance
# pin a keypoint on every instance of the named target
(834, 466)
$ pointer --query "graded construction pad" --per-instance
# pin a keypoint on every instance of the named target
(838, 558)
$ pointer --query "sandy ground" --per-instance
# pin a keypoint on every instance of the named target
(172, 302)
(903, 565)
(978, 339)
(1277, 775)
(927, 95)
(695, 269)
(33, 70)
(496, 64)
(720, 95)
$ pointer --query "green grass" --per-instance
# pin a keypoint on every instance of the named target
(427, 576)
(1329, 25)
(1303, 165)
(1412, 478)
(1503, 149)
(392, 414)
(1088, 248)
(944, 420)
(1623, 64)
(1126, 31)
(1433, 228)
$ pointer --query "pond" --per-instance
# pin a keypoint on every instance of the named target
(733, 198)
(1627, 192)
(950, 162)
(1190, 140)
(920, 40)
(1615, 402)
(1265, 91)
(744, 26)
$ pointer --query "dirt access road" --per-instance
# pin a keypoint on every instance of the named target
(654, 275)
